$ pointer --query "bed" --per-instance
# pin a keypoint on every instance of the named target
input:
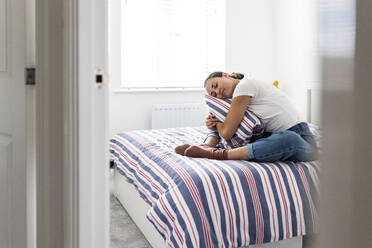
(178, 201)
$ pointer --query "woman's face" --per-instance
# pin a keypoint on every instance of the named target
(220, 87)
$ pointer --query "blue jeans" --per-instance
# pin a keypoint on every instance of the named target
(295, 144)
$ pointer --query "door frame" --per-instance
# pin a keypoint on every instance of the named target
(91, 47)
(57, 186)
(72, 117)
(50, 162)
(71, 124)
(72, 193)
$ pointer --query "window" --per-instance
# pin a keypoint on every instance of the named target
(171, 43)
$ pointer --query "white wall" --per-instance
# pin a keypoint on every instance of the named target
(131, 111)
(276, 40)
(250, 38)
(296, 49)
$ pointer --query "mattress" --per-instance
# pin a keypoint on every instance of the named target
(196, 202)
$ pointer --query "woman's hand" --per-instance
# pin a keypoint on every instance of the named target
(211, 122)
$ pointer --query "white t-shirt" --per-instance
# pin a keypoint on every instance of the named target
(269, 103)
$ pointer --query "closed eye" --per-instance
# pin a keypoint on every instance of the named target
(214, 86)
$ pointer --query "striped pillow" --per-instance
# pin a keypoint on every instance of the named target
(251, 125)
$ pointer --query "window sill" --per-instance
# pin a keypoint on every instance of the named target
(160, 89)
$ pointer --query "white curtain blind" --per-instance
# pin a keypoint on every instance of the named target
(171, 43)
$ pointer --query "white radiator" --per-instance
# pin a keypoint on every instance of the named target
(178, 115)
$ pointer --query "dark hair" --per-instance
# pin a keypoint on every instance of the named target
(215, 74)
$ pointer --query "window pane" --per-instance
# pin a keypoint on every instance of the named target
(171, 43)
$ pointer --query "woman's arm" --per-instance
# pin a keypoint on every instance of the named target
(234, 116)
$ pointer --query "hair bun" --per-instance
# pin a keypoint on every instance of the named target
(237, 75)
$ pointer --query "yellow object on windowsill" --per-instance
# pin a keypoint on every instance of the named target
(276, 84)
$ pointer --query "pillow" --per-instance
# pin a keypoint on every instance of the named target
(250, 127)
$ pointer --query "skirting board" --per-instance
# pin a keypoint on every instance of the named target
(137, 208)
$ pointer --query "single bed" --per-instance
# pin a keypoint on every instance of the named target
(178, 201)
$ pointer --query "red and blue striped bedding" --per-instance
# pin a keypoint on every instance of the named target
(199, 202)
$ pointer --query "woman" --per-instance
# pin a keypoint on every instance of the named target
(290, 138)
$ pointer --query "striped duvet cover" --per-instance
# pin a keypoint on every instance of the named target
(198, 202)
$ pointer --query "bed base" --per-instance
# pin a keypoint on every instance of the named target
(137, 208)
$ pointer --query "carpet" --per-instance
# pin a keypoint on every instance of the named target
(123, 232)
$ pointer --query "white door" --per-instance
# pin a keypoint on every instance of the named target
(13, 224)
